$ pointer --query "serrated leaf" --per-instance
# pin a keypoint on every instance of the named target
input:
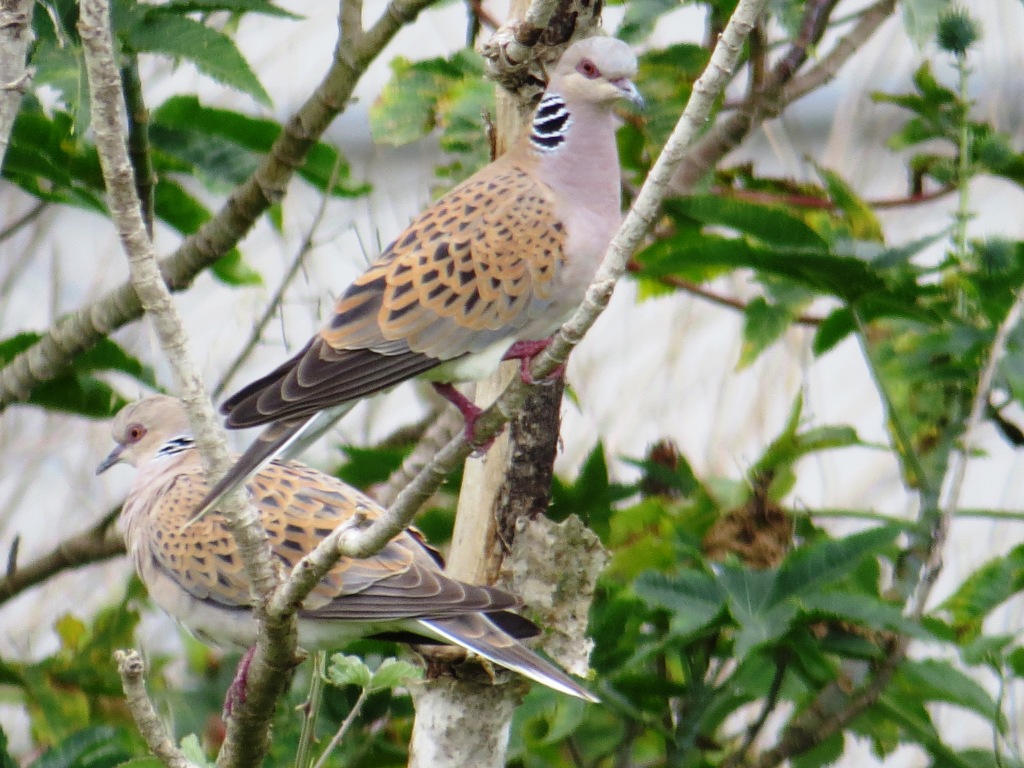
(694, 599)
(763, 627)
(982, 591)
(406, 109)
(933, 680)
(692, 256)
(864, 610)
(214, 53)
(393, 673)
(812, 566)
(348, 670)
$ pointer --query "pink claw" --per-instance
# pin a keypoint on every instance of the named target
(525, 352)
(470, 412)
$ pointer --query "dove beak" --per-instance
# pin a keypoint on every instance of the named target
(112, 458)
(629, 92)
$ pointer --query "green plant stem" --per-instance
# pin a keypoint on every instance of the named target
(311, 709)
(343, 728)
(963, 170)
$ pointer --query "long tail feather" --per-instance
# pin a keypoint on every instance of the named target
(274, 440)
(481, 636)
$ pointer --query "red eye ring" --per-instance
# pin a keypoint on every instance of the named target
(588, 69)
(134, 433)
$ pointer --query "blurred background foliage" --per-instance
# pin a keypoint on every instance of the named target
(725, 615)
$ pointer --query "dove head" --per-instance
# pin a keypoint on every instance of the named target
(597, 70)
(141, 428)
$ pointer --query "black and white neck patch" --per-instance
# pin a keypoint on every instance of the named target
(175, 445)
(550, 123)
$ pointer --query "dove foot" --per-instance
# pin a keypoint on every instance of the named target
(470, 412)
(235, 696)
(525, 352)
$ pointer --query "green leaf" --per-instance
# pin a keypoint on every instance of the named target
(763, 325)
(194, 752)
(860, 218)
(982, 591)
(864, 610)
(694, 599)
(393, 673)
(407, 108)
(94, 747)
(640, 17)
(230, 269)
(921, 19)
(823, 753)
(761, 619)
(78, 392)
(770, 224)
(6, 761)
(694, 255)
(263, 7)
(933, 680)
(348, 670)
(812, 566)
(214, 53)
(180, 119)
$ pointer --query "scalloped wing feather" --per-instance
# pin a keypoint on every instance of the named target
(299, 506)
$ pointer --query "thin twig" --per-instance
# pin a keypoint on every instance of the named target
(447, 424)
(957, 470)
(343, 728)
(305, 248)
(771, 701)
(101, 542)
(310, 709)
(131, 668)
(26, 218)
(715, 298)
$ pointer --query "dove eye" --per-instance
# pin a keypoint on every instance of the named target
(588, 69)
(135, 433)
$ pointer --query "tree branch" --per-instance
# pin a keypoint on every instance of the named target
(82, 329)
(101, 542)
(132, 669)
(276, 640)
(774, 96)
